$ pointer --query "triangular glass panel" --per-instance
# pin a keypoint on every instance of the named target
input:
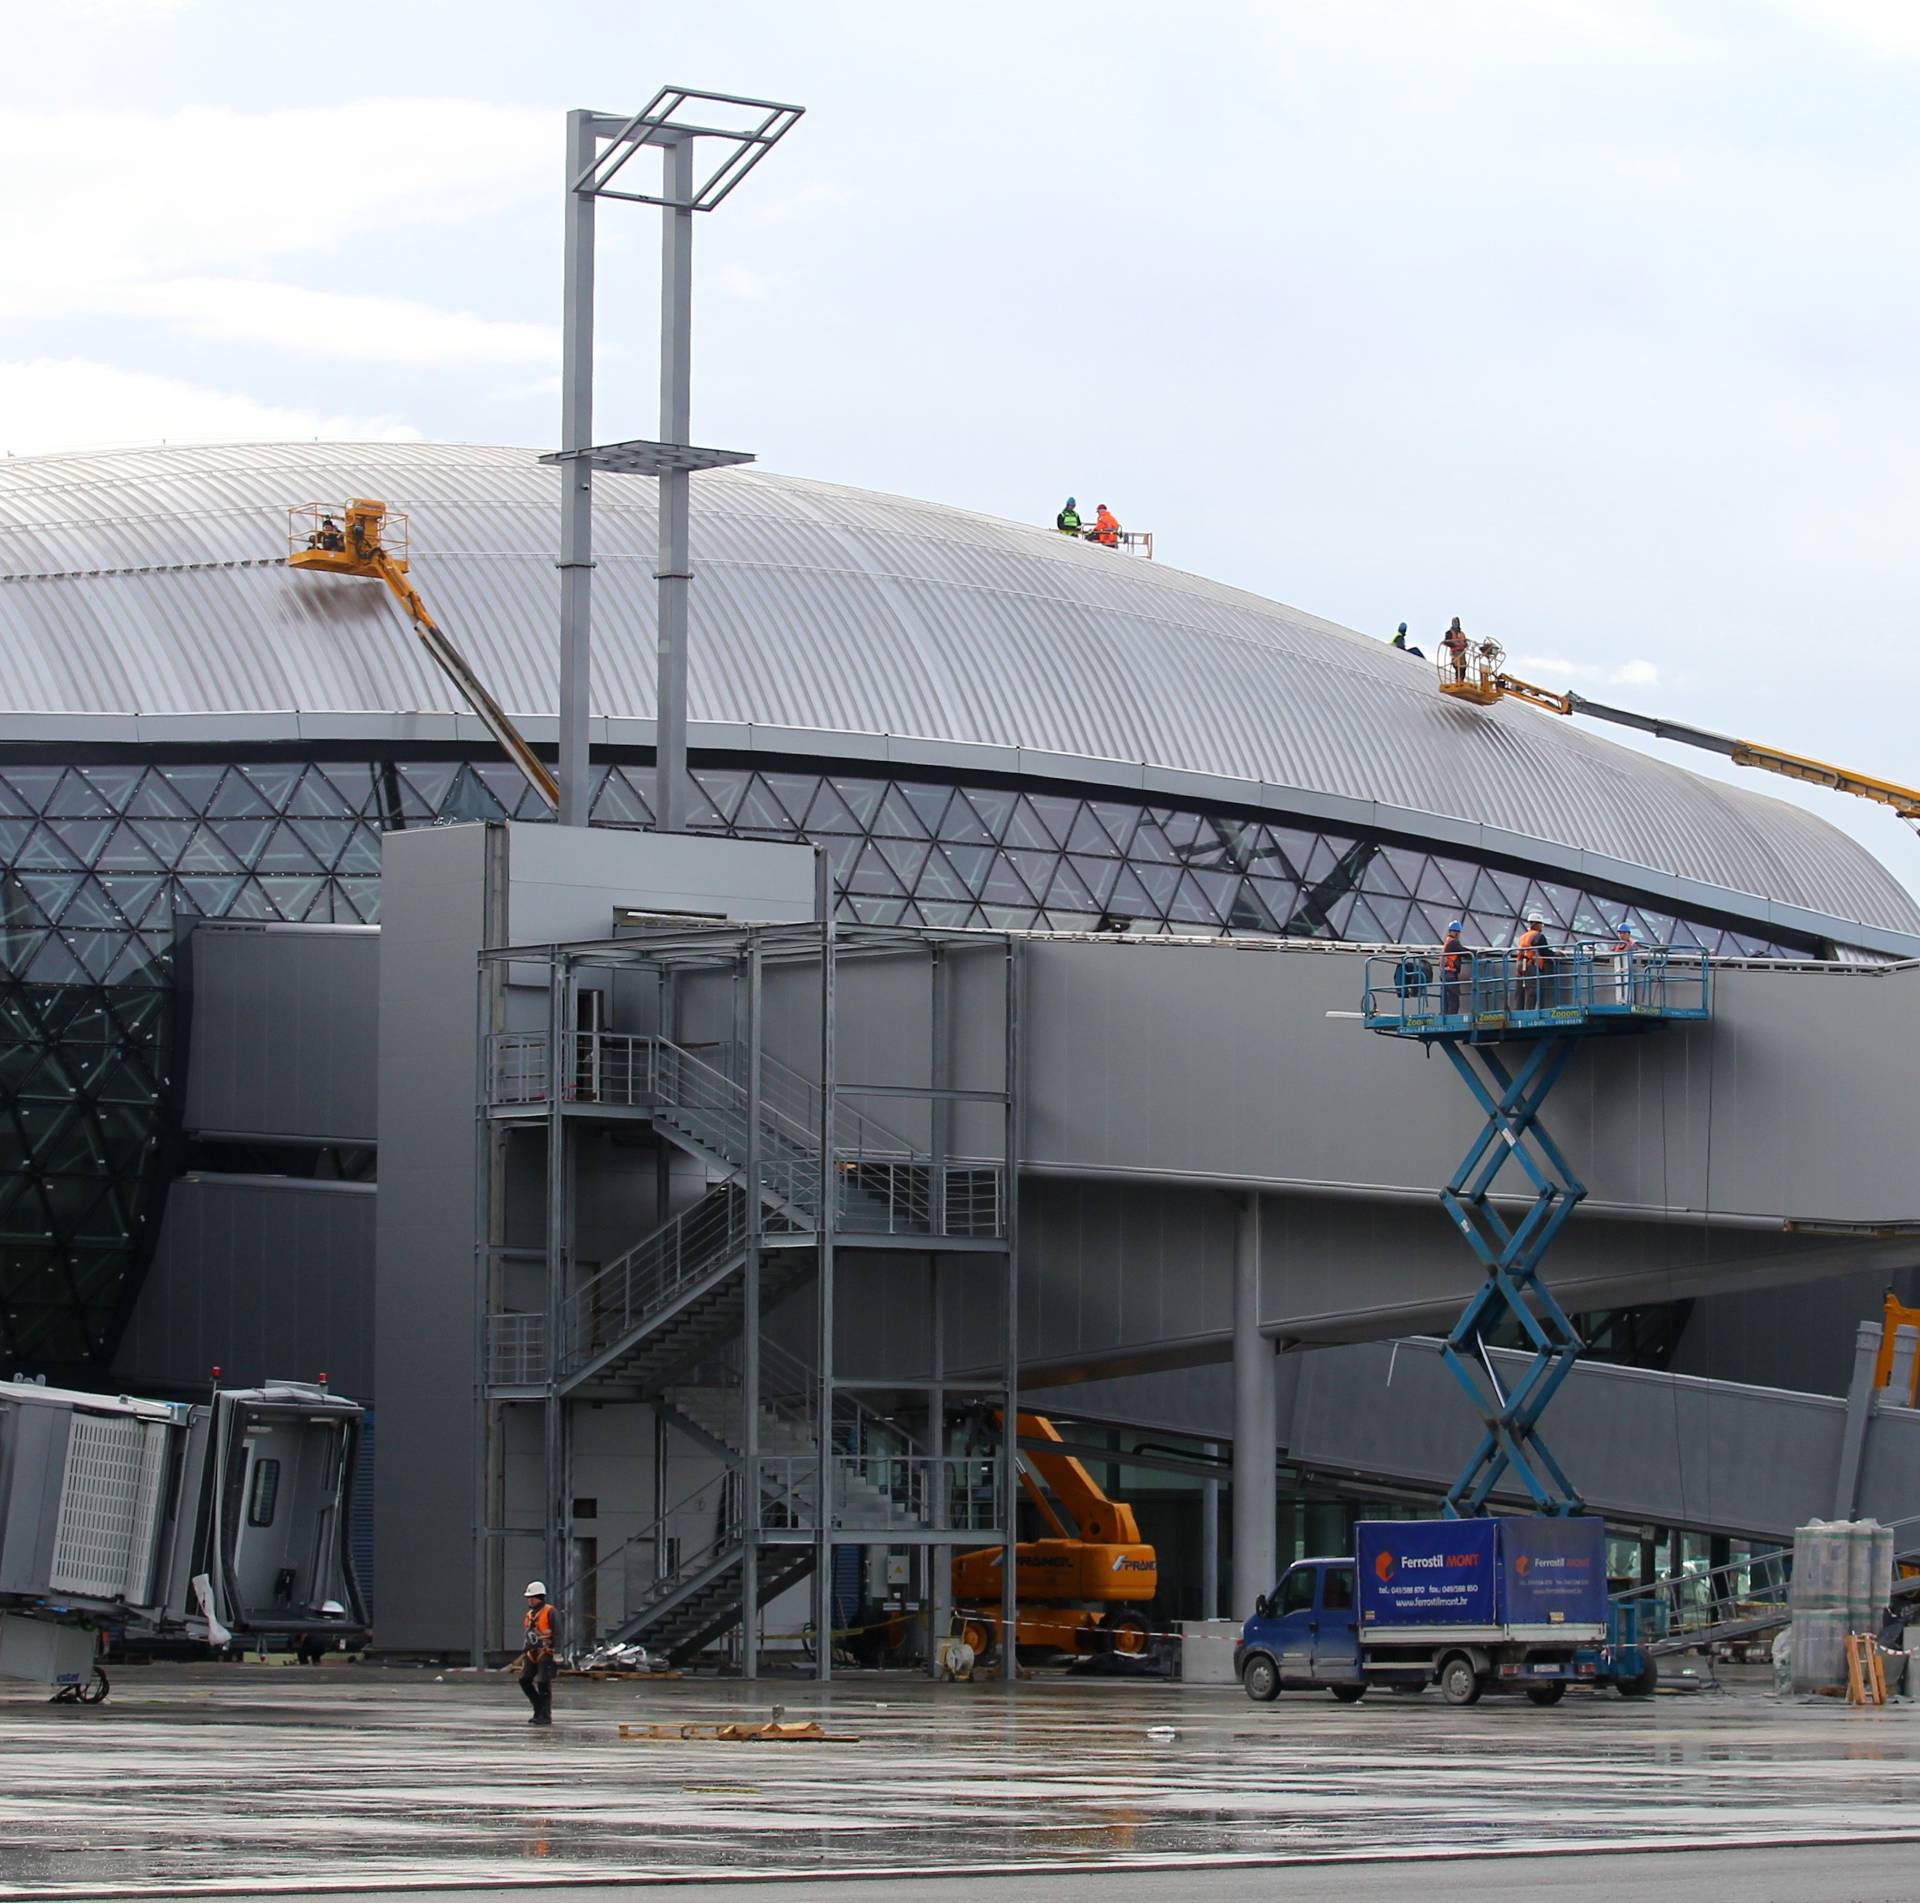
(294, 898)
(135, 895)
(1277, 897)
(26, 789)
(961, 824)
(512, 788)
(971, 865)
(619, 804)
(938, 879)
(862, 797)
(842, 849)
(1161, 883)
(871, 873)
(155, 798)
(715, 797)
(18, 950)
(1069, 892)
(1036, 869)
(948, 914)
(1249, 911)
(429, 782)
(275, 783)
(1004, 886)
(286, 851)
(1009, 918)
(1097, 876)
(81, 840)
(14, 834)
(1384, 878)
(362, 851)
(872, 910)
(1026, 826)
(126, 851)
(830, 813)
(238, 798)
(49, 893)
(326, 839)
(224, 845)
(76, 797)
(1086, 834)
(794, 792)
(471, 799)
(760, 811)
(907, 860)
(1120, 820)
(316, 797)
(929, 801)
(116, 785)
(93, 906)
(207, 897)
(1186, 833)
(363, 895)
(170, 789)
(1149, 844)
(1192, 903)
(250, 902)
(166, 839)
(895, 818)
(1056, 812)
(994, 806)
(54, 963)
(1131, 900)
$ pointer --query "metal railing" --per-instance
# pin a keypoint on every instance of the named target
(689, 1558)
(883, 1493)
(1417, 988)
(517, 1350)
(605, 1310)
(517, 1068)
(611, 1067)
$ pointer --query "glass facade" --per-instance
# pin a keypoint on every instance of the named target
(98, 863)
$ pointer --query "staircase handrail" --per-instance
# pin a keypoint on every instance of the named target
(792, 1098)
(684, 1249)
(665, 1583)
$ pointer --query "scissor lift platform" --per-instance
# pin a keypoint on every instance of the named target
(1542, 1004)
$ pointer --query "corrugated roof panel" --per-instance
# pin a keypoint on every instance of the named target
(817, 607)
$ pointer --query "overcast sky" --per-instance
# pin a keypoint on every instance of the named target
(1590, 323)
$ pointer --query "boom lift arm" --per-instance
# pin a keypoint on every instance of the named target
(365, 541)
(1479, 676)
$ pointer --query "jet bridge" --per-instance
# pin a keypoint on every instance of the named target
(221, 1522)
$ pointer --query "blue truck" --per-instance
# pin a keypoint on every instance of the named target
(1464, 1604)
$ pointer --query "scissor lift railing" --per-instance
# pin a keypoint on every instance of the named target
(1543, 1003)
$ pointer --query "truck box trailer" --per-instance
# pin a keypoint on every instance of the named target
(1464, 1604)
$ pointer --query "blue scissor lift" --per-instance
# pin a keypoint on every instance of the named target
(1509, 1028)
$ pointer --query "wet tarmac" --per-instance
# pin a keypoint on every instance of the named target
(263, 1780)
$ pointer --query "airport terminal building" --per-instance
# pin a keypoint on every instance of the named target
(1096, 780)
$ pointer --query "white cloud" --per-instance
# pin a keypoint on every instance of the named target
(68, 403)
(1550, 670)
(356, 328)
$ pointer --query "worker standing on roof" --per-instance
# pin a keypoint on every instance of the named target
(1068, 520)
(1531, 956)
(537, 1659)
(1454, 641)
(1106, 527)
(1456, 962)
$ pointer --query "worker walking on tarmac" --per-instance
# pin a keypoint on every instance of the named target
(1456, 963)
(1068, 520)
(1454, 641)
(1106, 527)
(537, 1660)
(1531, 957)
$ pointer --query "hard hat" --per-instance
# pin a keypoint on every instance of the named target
(332, 1609)
(1099, 505)
(1072, 503)
(1403, 627)
(1536, 918)
(1455, 925)
(536, 1589)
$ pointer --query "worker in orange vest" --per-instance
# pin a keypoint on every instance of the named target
(1106, 527)
(537, 1658)
(1455, 643)
(1531, 953)
(1455, 962)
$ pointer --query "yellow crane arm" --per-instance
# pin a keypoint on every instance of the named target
(1094, 1515)
(1486, 686)
(453, 664)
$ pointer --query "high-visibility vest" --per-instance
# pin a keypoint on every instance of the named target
(1532, 948)
(539, 1629)
(1068, 522)
(1453, 954)
(1106, 528)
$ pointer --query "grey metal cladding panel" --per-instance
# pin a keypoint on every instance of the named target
(261, 1281)
(285, 1033)
(828, 609)
(1221, 1061)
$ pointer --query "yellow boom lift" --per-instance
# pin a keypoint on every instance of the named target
(364, 540)
(1478, 674)
(1079, 1590)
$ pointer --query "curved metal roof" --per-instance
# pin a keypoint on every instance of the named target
(143, 596)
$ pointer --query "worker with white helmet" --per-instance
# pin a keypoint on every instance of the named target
(1531, 957)
(537, 1658)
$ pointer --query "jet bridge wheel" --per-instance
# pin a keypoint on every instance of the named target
(1550, 1694)
(93, 1692)
(1644, 1685)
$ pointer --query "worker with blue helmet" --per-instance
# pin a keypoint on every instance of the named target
(1455, 963)
(1068, 520)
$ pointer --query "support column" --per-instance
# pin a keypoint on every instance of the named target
(576, 480)
(559, 1251)
(674, 570)
(1010, 1218)
(829, 1190)
(1853, 1442)
(1253, 1424)
(750, 1344)
(1210, 1543)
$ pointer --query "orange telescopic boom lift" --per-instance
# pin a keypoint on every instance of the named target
(363, 539)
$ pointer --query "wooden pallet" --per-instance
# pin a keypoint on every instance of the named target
(1866, 1670)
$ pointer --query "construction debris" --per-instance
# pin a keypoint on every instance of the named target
(808, 1731)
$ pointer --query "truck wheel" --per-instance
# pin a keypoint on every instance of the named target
(1459, 1682)
(1642, 1685)
(1126, 1633)
(1548, 1694)
(1348, 1694)
(1261, 1678)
